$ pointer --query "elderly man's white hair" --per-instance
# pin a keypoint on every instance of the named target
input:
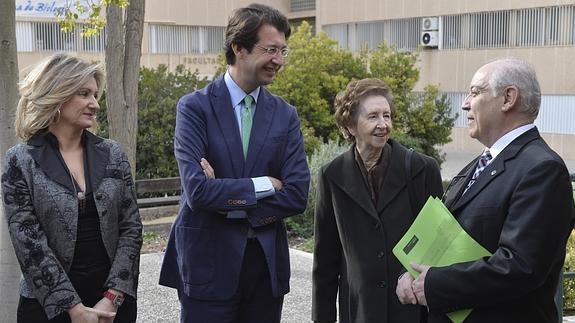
(515, 72)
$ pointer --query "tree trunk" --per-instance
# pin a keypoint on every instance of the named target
(9, 269)
(122, 74)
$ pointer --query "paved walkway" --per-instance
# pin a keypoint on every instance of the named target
(158, 304)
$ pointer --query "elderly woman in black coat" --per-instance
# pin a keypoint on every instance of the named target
(366, 199)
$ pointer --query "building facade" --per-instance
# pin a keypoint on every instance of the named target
(453, 37)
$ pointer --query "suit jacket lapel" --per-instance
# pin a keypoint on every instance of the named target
(493, 170)
(496, 168)
(353, 185)
(98, 156)
(48, 161)
(260, 128)
(395, 179)
(458, 184)
(224, 114)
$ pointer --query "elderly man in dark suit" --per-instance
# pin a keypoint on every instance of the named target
(243, 168)
(515, 200)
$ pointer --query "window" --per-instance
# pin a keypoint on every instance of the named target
(49, 37)
(339, 32)
(549, 26)
(489, 29)
(402, 33)
(186, 39)
(35, 36)
(302, 5)
(529, 26)
(93, 44)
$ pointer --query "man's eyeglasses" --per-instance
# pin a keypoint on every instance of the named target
(273, 51)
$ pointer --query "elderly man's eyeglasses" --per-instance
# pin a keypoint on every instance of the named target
(474, 92)
(273, 51)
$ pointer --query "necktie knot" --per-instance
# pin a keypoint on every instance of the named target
(481, 164)
(485, 158)
(248, 101)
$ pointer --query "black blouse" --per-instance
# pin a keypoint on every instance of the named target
(91, 264)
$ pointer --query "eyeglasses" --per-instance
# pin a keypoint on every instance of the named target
(474, 92)
(273, 51)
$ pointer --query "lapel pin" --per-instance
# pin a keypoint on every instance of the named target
(493, 172)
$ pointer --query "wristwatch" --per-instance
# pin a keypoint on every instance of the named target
(116, 299)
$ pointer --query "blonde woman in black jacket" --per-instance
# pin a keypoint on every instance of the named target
(70, 202)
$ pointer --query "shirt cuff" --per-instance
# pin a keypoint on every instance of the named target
(263, 187)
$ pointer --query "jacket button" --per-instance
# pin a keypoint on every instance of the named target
(377, 225)
(98, 196)
(380, 254)
(381, 284)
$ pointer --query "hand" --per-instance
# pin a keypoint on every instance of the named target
(105, 305)
(418, 284)
(404, 290)
(276, 183)
(208, 170)
(82, 314)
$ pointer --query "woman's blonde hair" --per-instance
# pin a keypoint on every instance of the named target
(47, 87)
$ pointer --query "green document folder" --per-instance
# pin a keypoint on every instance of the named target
(436, 239)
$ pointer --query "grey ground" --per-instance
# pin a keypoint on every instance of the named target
(160, 304)
(157, 304)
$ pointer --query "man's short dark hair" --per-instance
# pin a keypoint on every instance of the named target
(245, 23)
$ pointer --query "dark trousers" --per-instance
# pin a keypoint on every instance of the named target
(30, 311)
(252, 303)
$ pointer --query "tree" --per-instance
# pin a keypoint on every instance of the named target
(9, 269)
(158, 93)
(422, 120)
(124, 30)
(122, 69)
(315, 71)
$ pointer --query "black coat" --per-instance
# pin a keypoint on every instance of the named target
(521, 209)
(354, 238)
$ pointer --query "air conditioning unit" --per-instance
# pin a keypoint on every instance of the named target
(429, 38)
(430, 23)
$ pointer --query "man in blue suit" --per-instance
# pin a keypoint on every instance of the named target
(243, 169)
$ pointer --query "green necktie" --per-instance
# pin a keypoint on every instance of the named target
(246, 115)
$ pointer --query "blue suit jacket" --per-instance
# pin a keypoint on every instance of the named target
(205, 250)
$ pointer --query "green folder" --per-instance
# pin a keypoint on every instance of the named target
(436, 239)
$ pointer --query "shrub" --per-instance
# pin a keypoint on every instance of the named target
(301, 226)
(569, 284)
(158, 93)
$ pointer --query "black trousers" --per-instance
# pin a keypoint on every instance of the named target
(30, 311)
